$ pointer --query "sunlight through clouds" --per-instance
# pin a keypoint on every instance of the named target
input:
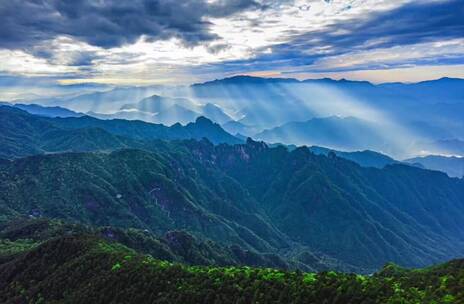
(256, 32)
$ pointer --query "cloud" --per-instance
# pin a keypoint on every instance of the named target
(172, 39)
(416, 23)
(419, 22)
(112, 23)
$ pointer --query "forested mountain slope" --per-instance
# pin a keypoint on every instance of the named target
(86, 269)
(24, 134)
(134, 188)
(361, 215)
(174, 246)
(265, 199)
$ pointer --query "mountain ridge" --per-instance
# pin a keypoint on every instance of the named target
(26, 134)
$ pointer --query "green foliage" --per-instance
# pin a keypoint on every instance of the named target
(24, 134)
(175, 246)
(116, 266)
(309, 278)
(8, 247)
(89, 270)
(264, 206)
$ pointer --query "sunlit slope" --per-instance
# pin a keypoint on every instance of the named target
(85, 269)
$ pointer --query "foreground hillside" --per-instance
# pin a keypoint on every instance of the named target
(86, 269)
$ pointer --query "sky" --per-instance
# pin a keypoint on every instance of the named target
(143, 42)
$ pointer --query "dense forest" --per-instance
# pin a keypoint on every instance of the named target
(318, 211)
(82, 268)
(95, 211)
(231, 152)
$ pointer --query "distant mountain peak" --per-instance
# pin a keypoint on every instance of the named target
(201, 120)
(246, 79)
(261, 145)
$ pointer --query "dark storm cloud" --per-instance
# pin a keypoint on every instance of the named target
(111, 23)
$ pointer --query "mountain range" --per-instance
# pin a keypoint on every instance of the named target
(453, 166)
(294, 204)
(169, 111)
(420, 116)
(192, 212)
(25, 134)
(346, 133)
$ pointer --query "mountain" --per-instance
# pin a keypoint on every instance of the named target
(451, 165)
(243, 80)
(348, 133)
(87, 269)
(47, 111)
(292, 203)
(167, 110)
(36, 109)
(213, 131)
(106, 101)
(449, 89)
(235, 127)
(431, 90)
(157, 104)
(257, 101)
(448, 146)
(342, 83)
(365, 158)
(139, 189)
(417, 113)
(253, 80)
(215, 113)
(201, 128)
(176, 114)
(348, 211)
(174, 246)
(25, 134)
(421, 111)
(125, 115)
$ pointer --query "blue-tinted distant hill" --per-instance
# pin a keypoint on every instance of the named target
(428, 111)
(243, 80)
(453, 166)
(439, 90)
(345, 133)
(445, 89)
(168, 110)
(47, 111)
